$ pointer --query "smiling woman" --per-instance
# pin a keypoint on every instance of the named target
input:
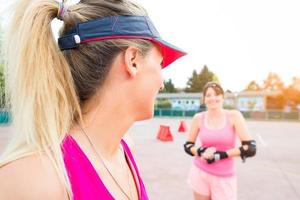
(212, 175)
(72, 102)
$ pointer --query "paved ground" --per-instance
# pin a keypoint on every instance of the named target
(274, 174)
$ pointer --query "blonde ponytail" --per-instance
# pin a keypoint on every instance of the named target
(42, 93)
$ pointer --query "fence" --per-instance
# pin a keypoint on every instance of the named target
(256, 115)
(5, 116)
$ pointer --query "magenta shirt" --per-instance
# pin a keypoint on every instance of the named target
(222, 139)
(85, 182)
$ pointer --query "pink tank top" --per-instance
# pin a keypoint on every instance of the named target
(222, 139)
(85, 182)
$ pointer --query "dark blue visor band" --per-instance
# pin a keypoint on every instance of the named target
(118, 27)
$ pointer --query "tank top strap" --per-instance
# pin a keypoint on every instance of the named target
(130, 156)
(142, 193)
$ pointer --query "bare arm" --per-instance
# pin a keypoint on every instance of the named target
(193, 133)
(242, 131)
(206, 153)
(195, 127)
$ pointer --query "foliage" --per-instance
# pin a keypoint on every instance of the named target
(197, 81)
(169, 87)
(163, 104)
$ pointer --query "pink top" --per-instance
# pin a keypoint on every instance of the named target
(85, 182)
(222, 139)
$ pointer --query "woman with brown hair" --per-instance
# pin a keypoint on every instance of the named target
(212, 175)
(72, 102)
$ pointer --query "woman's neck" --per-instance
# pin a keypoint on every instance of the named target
(215, 112)
(105, 125)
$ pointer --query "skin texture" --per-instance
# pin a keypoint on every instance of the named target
(127, 95)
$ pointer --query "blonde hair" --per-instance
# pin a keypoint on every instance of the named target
(48, 88)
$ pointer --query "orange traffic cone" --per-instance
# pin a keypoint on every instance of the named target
(164, 133)
(182, 127)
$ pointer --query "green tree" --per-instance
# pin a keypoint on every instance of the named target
(273, 83)
(253, 86)
(215, 79)
(2, 86)
(193, 83)
(197, 81)
(2, 80)
(169, 87)
(163, 103)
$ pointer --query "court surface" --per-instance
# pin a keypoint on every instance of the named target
(274, 174)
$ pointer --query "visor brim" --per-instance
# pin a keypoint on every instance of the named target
(170, 52)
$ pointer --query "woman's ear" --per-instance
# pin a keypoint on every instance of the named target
(132, 60)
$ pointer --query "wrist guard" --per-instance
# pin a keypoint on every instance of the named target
(218, 155)
(201, 150)
(187, 147)
(250, 151)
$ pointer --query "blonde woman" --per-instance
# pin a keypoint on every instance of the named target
(72, 102)
(212, 175)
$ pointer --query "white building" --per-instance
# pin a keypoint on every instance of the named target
(191, 101)
(244, 101)
(184, 101)
(253, 100)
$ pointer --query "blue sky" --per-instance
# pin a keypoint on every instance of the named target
(238, 40)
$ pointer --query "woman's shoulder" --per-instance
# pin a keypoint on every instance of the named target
(31, 177)
(198, 115)
(129, 142)
(234, 115)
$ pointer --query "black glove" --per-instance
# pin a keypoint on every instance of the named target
(218, 155)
